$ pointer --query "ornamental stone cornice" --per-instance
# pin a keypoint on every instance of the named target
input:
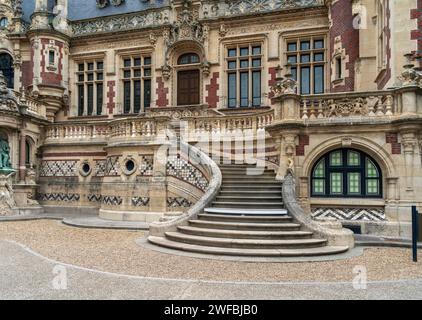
(220, 8)
(127, 22)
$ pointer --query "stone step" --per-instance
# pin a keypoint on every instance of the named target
(256, 183)
(285, 226)
(244, 171)
(244, 234)
(248, 193)
(327, 250)
(247, 204)
(250, 198)
(244, 218)
(243, 212)
(245, 243)
(249, 187)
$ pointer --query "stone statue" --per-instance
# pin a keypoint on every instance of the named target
(4, 154)
(7, 201)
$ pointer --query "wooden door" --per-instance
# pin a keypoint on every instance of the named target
(187, 87)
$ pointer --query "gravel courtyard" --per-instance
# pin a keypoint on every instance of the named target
(116, 251)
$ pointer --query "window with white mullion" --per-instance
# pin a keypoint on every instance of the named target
(307, 59)
(90, 90)
(136, 74)
(244, 69)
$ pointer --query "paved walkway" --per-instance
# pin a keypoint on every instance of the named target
(25, 274)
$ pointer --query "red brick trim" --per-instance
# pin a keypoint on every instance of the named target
(161, 92)
(392, 138)
(303, 141)
(273, 78)
(417, 34)
(50, 77)
(342, 25)
(111, 94)
(212, 99)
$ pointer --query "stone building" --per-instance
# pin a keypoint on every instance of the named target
(331, 88)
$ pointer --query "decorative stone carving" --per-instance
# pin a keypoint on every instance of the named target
(221, 8)
(372, 106)
(7, 201)
(4, 156)
(104, 3)
(411, 76)
(285, 85)
(138, 20)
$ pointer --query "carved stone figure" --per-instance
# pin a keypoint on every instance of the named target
(4, 154)
(7, 201)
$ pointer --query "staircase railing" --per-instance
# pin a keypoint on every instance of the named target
(332, 230)
(213, 171)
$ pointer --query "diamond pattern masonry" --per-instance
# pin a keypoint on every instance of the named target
(58, 168)
(183, 170)
(353, 214)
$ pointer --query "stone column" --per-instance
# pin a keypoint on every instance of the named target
(22, 156)
(409, 141)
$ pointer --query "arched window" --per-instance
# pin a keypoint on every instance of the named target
(6, 66)
(188, 58)
(346, 173)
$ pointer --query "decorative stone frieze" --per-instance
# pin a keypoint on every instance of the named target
(353, 214)
(220, 8)
(139, 20)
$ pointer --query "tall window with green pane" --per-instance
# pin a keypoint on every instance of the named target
(90, 87)
(244, 67)
(346, 173)
(307, 57)
(137, 74)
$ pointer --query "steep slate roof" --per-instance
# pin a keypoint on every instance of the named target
(86, 9)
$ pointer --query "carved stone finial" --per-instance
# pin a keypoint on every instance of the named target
(411, 76)
(285, 85)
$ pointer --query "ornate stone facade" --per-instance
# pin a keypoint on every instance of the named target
(93, 95)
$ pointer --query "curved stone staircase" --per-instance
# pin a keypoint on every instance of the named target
(247, 218)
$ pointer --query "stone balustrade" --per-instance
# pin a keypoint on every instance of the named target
(356, 104)
(229, 124)
(31, 104)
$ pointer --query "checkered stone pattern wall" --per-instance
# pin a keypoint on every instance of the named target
(95, 198)
(58, 197)
(112, 200)
(100, 168)
(353, 214)
(112, 166)
(58, 168)
(183, 170)
(140, 201)
(147, 165)
(178, 202)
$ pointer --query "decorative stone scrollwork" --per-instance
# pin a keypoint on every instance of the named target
(104, 3)
(411, 76)
(285, 85)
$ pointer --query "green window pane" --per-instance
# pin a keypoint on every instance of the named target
(371, 169)
(336, 183)
(336, 158)
(353, 182)
(353, 158)
(319, 170)
(372, 186)
(319, 186)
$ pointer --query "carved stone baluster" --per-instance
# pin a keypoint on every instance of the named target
(380, 107)
(320, 110)
(305, 110)
(389, 105)
(312, 111)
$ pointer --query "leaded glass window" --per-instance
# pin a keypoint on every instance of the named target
(307, 57)
(244, 67)
(137, 73)
(90, 79)
(346, 173)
